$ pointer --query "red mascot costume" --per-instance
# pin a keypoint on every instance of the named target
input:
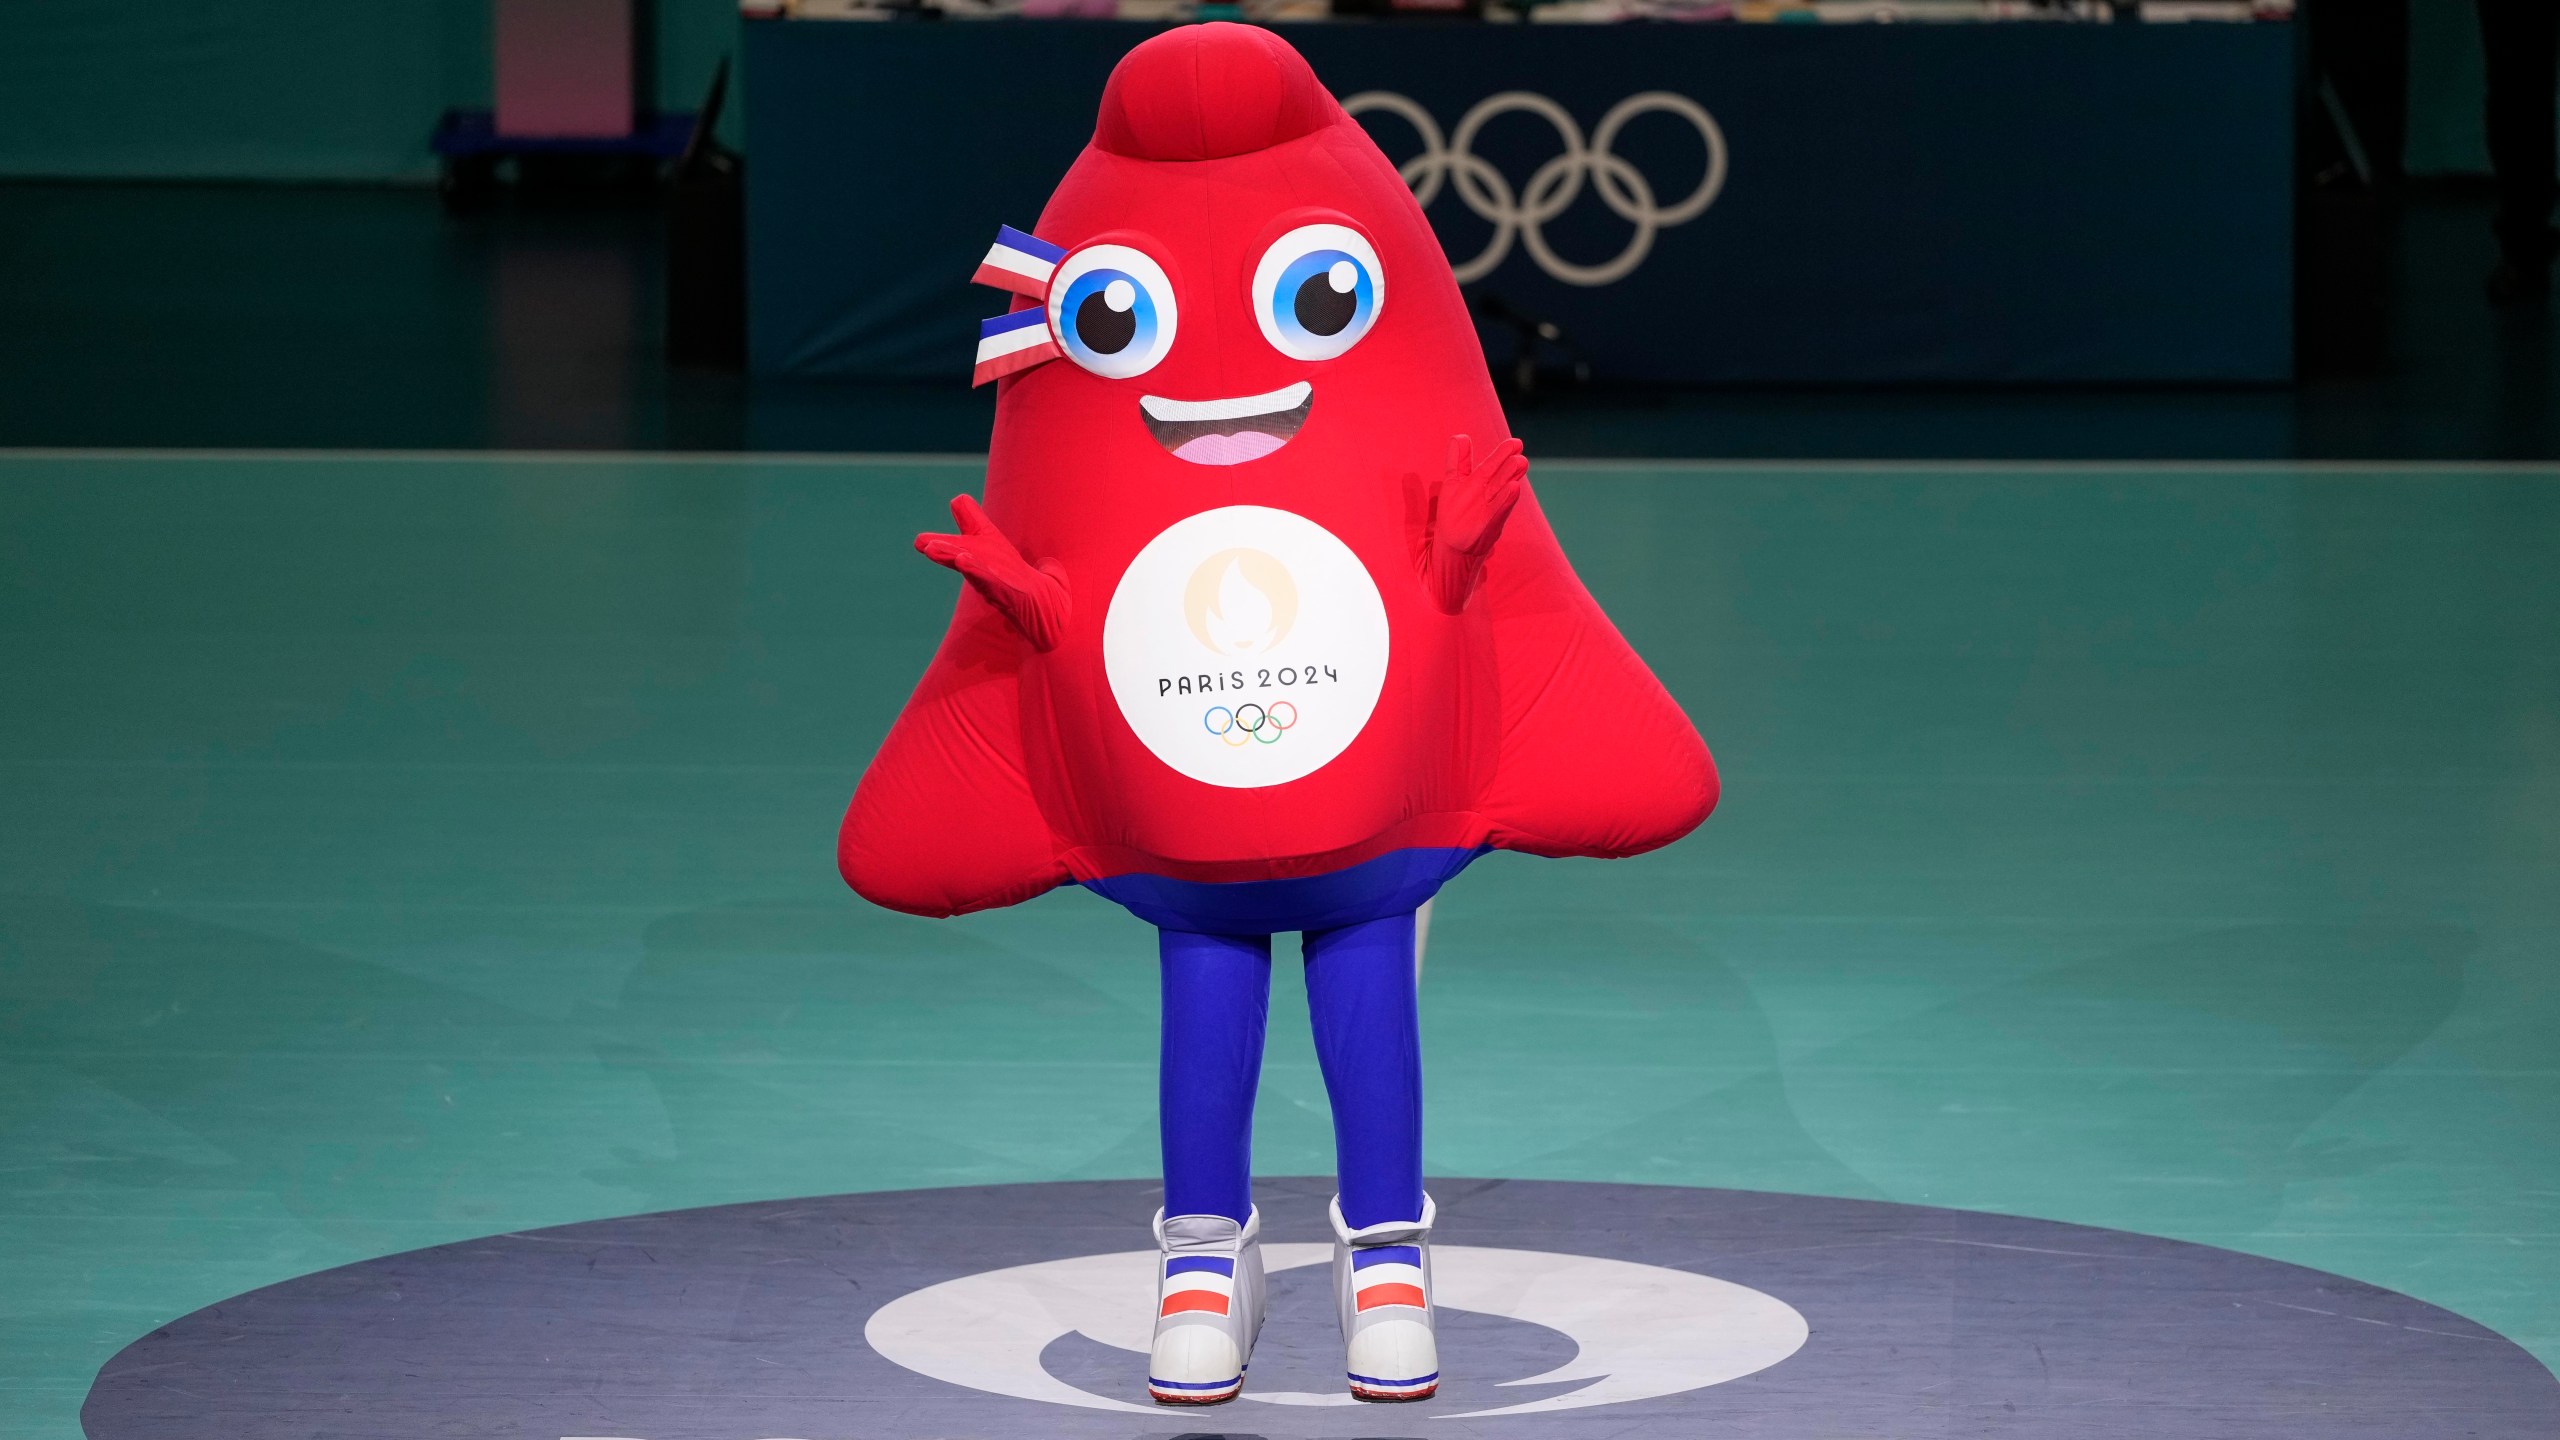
(1263, 631)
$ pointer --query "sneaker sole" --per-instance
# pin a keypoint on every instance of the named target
(1197, 1397)
(1380, 1391)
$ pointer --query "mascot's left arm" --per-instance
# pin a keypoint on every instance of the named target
(1597, 758)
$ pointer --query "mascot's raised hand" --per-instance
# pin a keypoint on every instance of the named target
(1474, 498)
(1032, 597)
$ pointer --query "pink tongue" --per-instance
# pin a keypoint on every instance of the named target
(1229, 449)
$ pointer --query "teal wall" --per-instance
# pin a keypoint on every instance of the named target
(269, 89)
(2445, 137)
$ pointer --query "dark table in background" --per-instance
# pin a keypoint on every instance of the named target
(2032, 202)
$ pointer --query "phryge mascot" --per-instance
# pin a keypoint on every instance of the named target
(1263, 631)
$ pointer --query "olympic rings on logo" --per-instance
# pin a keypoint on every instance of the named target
(1556, 184)
(1249, 723)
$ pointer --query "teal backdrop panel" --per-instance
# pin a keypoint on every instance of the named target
(281, 90)
(270, 89)
(2445, 134)
(1900, 202)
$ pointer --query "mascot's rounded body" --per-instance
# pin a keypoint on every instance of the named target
(1263, 631)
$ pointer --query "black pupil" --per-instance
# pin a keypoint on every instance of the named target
(1322, 309)
(1103, 330)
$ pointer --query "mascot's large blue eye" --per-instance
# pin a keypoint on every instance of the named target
(1113, 310)
(1317, 291)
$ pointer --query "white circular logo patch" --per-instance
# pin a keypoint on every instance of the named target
(1641, 1331)
(1246, 646)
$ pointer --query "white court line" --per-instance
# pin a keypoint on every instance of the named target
(508, 457)
(2314, 468)
(2409, 468)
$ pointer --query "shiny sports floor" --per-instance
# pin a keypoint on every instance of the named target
(401, 849)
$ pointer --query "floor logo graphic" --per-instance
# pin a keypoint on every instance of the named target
(1643, 1330)
(1238, 626)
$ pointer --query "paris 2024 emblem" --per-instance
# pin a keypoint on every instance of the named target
(1246, 646)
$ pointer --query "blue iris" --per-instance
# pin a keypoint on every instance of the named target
(1323, 300)
(1107, 318)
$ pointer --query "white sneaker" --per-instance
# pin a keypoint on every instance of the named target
(1209, 1301)
(1382, 1283)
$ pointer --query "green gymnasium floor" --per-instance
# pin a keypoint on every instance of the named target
(406, 848)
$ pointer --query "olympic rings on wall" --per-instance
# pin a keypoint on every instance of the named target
(1520, 215)
(1249, 723)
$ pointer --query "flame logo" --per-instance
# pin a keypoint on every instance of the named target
(1241, 602)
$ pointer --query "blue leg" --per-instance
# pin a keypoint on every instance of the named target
(1360, 992)
(1217, 996)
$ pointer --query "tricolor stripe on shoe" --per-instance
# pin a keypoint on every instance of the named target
(1201, 1283)
(1384, 1275)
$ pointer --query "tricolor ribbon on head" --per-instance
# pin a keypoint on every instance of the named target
(1019, 340)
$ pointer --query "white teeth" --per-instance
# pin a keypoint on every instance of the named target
(1242, 407)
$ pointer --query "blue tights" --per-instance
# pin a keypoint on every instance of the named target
(1360, 993)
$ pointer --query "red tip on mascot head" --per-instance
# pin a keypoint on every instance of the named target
(1205, 92)
(1259, 593)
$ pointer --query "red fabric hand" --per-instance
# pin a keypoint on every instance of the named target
(1033, 597)
(1468, 507)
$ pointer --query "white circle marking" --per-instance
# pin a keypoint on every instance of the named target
(1643, 1330)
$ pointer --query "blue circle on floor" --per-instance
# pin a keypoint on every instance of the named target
(1631, 1312)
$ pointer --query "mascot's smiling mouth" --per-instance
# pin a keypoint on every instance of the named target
(1228, 432)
